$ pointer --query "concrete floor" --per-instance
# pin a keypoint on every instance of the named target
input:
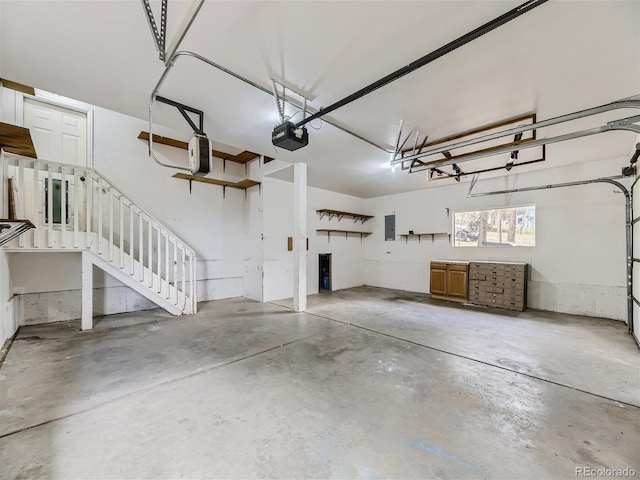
(369, 383)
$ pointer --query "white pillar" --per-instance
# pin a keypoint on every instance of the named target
(300, 237)
(87, 291)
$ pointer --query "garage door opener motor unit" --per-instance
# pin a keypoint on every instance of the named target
(288, 136)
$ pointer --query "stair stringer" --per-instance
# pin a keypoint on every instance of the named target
(91, 259)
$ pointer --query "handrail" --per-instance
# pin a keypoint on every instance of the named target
(9, 155)
(96, 215)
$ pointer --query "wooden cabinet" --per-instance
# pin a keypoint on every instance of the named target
(438, 278)
(498, 284)
(449, 280)
(457, 281)
(492, 284)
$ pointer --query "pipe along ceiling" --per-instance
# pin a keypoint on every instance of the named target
(293, 133)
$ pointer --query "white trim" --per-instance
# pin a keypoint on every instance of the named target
(520, 205)
(63, 102)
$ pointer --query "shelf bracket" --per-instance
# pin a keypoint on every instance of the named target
(183, 109)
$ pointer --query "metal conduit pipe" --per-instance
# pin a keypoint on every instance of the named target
(458, 42)
(428, 58)
(248, 82)
(628, 219)
(615, 125)
(152, 99)
(183, 29)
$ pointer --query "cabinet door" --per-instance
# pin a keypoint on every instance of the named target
(438, 281)
(457, 283)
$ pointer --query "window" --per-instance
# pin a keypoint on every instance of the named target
(498, 227)
(56, 197)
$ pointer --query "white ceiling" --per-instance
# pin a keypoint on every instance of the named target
(561, 57)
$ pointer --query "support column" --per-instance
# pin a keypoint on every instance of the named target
(87, 291)
(300, 237)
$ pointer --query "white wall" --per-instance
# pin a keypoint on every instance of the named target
(210, 223)
(277, 200)
(347, 253)
(577, 265)
(253, 256)
(48, 288)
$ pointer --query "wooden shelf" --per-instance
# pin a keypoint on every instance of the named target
(241, 185)
(340, 215)
(242, 157)
(329, 231)
(419, 235)
(17, 86)
(246, 183)
(14, 139)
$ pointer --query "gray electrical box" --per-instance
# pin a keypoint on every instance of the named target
(390, 227)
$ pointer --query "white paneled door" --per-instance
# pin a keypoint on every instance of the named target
(59, 134)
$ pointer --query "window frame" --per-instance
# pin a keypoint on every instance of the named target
(456, 243)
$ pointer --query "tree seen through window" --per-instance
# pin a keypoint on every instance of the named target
(498, 227)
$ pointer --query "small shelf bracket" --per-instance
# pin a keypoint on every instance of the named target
(420, 235)
(331, 214)
(183, 109)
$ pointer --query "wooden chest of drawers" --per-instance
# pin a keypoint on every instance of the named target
(498, 284)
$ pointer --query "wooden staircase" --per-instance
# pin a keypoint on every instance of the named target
(102, 223)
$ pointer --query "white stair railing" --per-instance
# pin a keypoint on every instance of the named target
(77, 208)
